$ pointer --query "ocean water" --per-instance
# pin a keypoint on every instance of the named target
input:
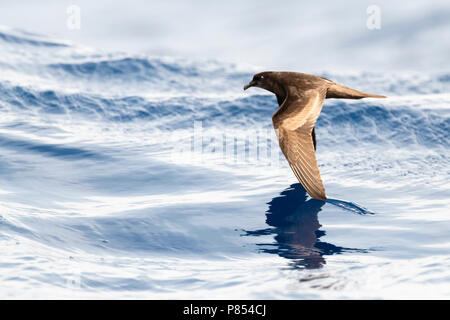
(131, 176)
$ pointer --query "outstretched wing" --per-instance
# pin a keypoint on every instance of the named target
(294, 122)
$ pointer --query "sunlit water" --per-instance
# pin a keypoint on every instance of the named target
(140, 177)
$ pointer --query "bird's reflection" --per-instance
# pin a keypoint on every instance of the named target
(295, 224)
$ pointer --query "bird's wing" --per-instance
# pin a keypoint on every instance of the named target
(294, 122)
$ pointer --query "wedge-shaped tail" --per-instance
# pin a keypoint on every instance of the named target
(340, 91)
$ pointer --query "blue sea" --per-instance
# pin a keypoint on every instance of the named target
(141, 177)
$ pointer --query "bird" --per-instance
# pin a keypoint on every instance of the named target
(300, 97)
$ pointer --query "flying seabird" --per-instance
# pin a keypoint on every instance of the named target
(300, 98)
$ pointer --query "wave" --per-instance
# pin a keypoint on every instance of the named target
(27, 40)
(19, 37)
(343, 121)
(136, 68)
(50, 150)
(87, 68)
(398, 123)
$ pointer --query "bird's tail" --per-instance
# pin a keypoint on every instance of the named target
(340, 91)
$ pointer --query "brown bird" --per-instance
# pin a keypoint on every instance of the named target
(300, 98)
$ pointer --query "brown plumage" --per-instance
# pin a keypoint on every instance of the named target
(300, 98)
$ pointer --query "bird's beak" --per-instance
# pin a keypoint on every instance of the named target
(251, 84)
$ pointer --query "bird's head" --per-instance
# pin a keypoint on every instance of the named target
(264, 80)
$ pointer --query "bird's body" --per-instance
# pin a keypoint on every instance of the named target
(300, 98)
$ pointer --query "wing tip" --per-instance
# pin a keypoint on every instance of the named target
(318, 194)
(319, 197)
